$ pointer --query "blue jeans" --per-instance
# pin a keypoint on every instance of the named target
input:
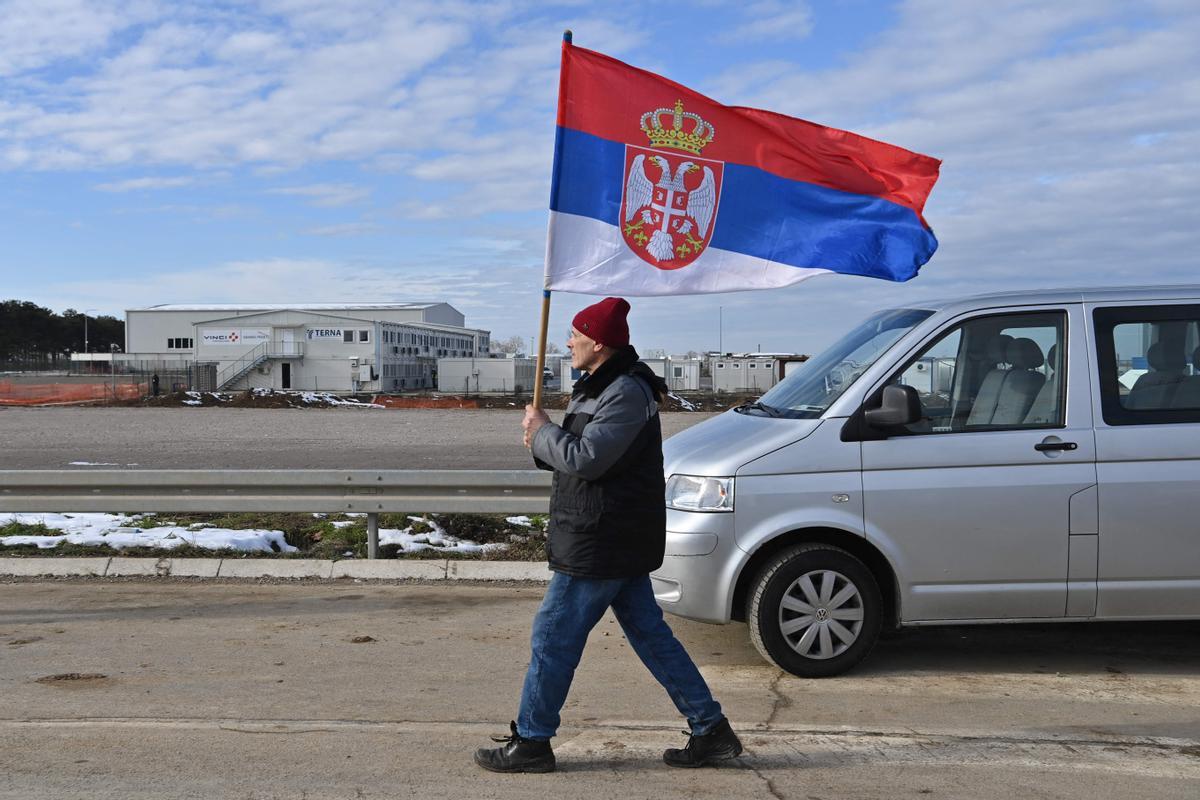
(569, 611)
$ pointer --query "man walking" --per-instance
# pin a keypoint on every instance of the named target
(607, 533)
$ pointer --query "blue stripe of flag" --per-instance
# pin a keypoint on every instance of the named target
(760, 214)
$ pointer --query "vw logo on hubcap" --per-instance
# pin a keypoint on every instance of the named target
(822, 614)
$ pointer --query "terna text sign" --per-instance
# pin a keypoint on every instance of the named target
(324, 333)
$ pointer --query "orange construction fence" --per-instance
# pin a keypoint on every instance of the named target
(43, 394)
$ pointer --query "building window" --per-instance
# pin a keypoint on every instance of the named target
(678, 371)
(348, 336)
(364, 336)
(751, 365)
(720, 365)
(737, 366)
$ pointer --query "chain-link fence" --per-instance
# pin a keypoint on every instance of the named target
(92, 381)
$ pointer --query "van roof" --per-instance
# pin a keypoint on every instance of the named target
(1066, 295)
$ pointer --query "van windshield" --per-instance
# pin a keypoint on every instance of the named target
(815, 384)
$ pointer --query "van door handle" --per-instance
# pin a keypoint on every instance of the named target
(1042, 447)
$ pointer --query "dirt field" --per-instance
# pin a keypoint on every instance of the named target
(232, 438)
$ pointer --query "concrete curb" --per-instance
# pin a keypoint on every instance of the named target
(389, 569)
(61, 566)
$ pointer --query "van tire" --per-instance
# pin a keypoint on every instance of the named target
(782, 579)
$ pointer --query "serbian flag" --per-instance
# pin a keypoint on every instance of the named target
(660, 190)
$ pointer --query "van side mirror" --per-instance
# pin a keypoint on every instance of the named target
(901, 406)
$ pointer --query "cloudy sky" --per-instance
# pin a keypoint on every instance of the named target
(156, 151)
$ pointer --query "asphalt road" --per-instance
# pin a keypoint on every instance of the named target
(256, 691)
(218, 438)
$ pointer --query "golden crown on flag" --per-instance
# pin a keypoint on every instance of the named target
(676, 137)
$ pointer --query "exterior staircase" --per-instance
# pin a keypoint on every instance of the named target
(255, 357)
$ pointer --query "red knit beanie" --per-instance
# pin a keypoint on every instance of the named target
(604, 322)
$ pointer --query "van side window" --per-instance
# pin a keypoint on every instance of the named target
(1149, 359)
(996, 372)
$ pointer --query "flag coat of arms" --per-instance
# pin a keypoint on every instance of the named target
(660, 190)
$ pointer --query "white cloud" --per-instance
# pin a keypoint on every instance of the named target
(767, 20)
(344, 229)
(203, 87)
(37, 33)
(139, 184)
(327, 195)
(1068, 133)
(276, 280)
(1067, 136)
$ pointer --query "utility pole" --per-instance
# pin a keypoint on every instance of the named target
(113, 348)
(85, 332)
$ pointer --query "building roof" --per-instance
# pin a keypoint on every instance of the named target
(241, 320)
(438, 326)
(288, 306)
(756, 355)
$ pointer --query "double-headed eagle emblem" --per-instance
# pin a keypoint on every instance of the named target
(667, 217)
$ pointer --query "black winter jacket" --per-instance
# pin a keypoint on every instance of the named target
(607, 515)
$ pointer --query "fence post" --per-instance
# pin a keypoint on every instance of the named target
(372, 535)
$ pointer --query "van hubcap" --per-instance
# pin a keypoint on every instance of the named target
(821, 614)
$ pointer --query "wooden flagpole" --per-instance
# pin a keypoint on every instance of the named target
(545, 324)
(541, 359)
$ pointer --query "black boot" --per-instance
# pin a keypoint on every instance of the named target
(719, 744)
(517, 755)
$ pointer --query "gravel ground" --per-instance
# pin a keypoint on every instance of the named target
(216, 438)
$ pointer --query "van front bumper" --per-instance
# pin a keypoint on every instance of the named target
(699, 570)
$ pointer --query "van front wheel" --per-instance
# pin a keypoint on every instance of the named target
(815, 611)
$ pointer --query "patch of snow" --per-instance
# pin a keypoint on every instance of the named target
(192, 403)
(69, 523)
(522, 521)
(684, 403)
(437, 539)
(315, 398)
(116, 531)
(334, 400)
(96, 464)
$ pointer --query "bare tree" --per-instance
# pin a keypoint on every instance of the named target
(513, 344)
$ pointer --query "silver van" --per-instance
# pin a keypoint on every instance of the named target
(1026, 457)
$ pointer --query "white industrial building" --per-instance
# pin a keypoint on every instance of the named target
(681, 374)
(750, 372)
(366, 347)
(475, 375)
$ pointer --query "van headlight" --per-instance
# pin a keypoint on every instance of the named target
(698, 493)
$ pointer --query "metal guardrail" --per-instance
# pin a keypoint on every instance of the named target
(328, 491)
